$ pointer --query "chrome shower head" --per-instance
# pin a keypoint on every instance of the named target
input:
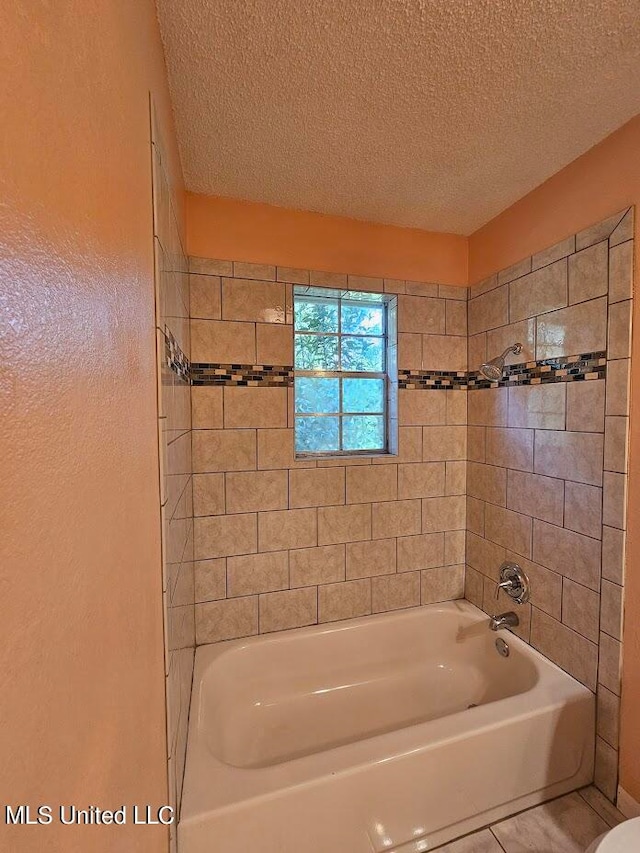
(493, 370)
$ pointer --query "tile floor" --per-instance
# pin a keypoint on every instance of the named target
(566, 825)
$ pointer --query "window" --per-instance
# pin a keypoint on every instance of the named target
(345, 375)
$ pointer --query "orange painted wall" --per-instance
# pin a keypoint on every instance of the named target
(82, 715)
(601, 182)
(261, 233)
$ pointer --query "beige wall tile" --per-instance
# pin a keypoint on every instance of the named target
(420, 314)
(614, 500)
(473, 586)
(396, 518)
(599, 231)
(615, 443)
(489, 310)
(254, 271)
(394, 285)
(624, 230)
(295, 276)
(475, 516)
(256, 573)
(409, 447)
(409, 351)
(485, 556)
(617, 387)
(255, 407)
(344, 600)
(605, 776)
(538, 406)
(476, 442)
(422, 407)
(588, 275)
(210, 266)
(537, 496)
(489, 407)
(274, 344)
(375, 557)
(316, 487)
(250, 491)
(453, 291)
(619, 334)
(365, 282)
(512, 448)
(568, 649)
(293, 528)
(327, 279)
(394, 592)
(226, 620)
(312, 566)
(585, 406)
(455, 478)
(538, 292)
(454, 547)
(208, 494)
(487, 483)
(220, 342)
(580, 609)
(204, 296)
(514, 271)
(206, 407)
(420, 552)
(254, 301)
(276, 450)
(292, 608)
(456, 407)
(523, 332)
(344, 524)
(444, 442)
(224, 450)
(372, 483)
(613, 554)
(546, 586)
(445, 583)
(583, 509)
(483, 286)
(419, 479)
(611, 609)
(609, 668)
(455, 317)
(444, 352)
(509, 529)
(554, 253)
(210, 578)
(225, 536)
(571, 554)
(571, 331)
(439, 514)
(422, 288)
(573, 456)
(476, 350)
(608, 716)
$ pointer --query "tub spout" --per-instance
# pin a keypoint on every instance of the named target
(504, 620)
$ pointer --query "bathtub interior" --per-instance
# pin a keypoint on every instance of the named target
(269, 701)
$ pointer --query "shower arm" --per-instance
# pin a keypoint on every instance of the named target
(515, 348)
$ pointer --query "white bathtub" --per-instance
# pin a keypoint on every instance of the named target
(396, 732)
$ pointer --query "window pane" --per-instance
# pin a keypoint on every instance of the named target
(362, 319)
(363, 433)
(363, 395)
(316, 315)
(363, 354)
(317, 395)
(317, 435)
(316, 352)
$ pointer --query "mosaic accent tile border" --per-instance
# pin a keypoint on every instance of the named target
(258, 375)
(176, 359)
(586, 366)
(572, 368)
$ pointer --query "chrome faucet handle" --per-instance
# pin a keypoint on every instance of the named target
(506, 585)
(514, 582)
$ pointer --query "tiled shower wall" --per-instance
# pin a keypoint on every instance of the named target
(174, 432)
(547, 470)
(281, 543)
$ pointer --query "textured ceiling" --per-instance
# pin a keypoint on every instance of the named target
(429, 113)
